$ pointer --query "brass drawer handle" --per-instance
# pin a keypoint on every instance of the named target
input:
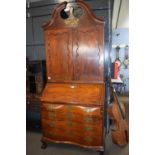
(69, 116)
(71, 134)
(51, 115)
(51, 124)
(88, 139)
(69, 123)
(52, 134)
(88, 128)
(88, 119)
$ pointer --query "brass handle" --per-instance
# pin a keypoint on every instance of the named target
(88, 128)
(69, 116)
(53, 134)
(71, 135)
(69, 123)
(51, 115)
(51, 124)
(88, 119)
(88, 139)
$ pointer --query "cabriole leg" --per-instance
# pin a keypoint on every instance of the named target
(101, 152)
(44, 145)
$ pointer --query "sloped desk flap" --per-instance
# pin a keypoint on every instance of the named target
(74, 93)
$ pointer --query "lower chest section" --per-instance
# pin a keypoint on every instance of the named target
(76, 124)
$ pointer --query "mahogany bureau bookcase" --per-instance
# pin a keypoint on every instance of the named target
(72, 109)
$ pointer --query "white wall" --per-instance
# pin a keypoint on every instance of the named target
(123, 20)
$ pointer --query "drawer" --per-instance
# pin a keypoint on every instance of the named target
(79, 110)
(90, 119)
(77, 133)
(74, 93)
(73, 126)
(74, 138)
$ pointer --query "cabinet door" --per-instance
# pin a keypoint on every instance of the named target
(88, 54)
(59, 55)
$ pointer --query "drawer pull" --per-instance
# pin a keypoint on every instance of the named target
(69, 123)
(88, 139)
(53, 134)
(71, 134)
(88, 128)
(51, 115)
(88, 119)
(69, 116)
(51, 124)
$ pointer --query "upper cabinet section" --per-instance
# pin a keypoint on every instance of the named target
(74, 41)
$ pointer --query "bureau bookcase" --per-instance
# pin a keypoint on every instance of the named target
(72, 108)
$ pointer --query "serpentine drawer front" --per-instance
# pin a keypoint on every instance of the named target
(71, 131)
(67, 122)
(74, 93)
(80, 114)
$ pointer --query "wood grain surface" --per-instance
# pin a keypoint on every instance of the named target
(73, 100)
(74, 93)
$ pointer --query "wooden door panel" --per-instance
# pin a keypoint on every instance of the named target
(59, 55)
(88, 54)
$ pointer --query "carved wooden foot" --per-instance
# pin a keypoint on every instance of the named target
(44, 145)
(101, 152)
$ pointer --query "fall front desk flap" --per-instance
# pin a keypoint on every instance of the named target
(74, 93)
